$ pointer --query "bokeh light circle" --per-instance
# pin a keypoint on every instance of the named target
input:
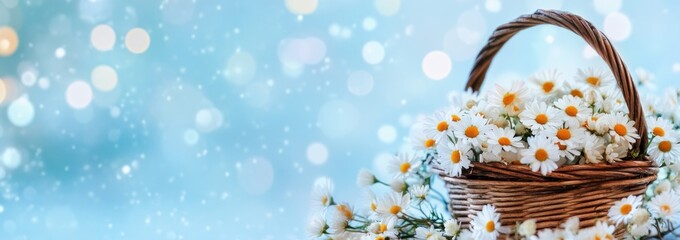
(21, 112)
(11, 158)
(104, 78)
(208, 119)
(3, 90)
(302, 6)
(137, 40)
(317, 153)
(360, 83)
(369, 24)
(493, 5)
(607, 6)
(617, 26)
(387, 133)
(373, 52)
(387, 7)
(103, 37)
(79, 94)
(241, 68)
(9, 41)
(191, 137)
(436, 65)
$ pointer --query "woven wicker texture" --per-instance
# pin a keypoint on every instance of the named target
(586, 191)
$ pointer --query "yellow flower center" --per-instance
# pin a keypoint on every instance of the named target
(592, 80)
(490, 226)
(395, 209)
(382, 228)
(324, 200)
(563, 134)
(541, 154)
(666, 208)
(625, 209)
(665, 146)
(429, 143)
(404, 167)
(455, 117)
(658, 131)
(541, 118)
(562, 147)
(597, 237)
(455, 156)
(471, 131)
(620, 129)
(374, 206)
(609, 237)
(504, 141)
(576, 93)
(344, 210)
(548, 86)
(508, 98)
(380, 237)
(442, 126)
(571, 111)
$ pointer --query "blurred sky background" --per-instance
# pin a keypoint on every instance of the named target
(207, 119)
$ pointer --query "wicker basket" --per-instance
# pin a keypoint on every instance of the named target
(586, 191)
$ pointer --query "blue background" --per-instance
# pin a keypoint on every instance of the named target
(250, 177)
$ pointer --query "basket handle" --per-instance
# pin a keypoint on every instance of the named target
(596, 39)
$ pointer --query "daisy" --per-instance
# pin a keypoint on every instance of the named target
(538, 116)
(572, 225)
(593, 150)
(508, 98)
(451, 228)
(547, 83)
(344, 210)
(641, 223)
(437, 125)
(503, 139)
(454, 157)
(455, 113)
(602, 230)
(574, 89)
(398, 185)
(422, 142)
(645, 78)
(365, 178)
(567, 135)
(384, 228)
(317, 226)
(664, 149)
(621, 128)
(392, 205)
(659, 127)
(486, 225)
(419, 191)
(429, 234)
(597, 123)
(551, 234)
(623, 210)
(542, 154)
(466, 234)
(321, 196)
(573, 109)
(662, 187)
(471, 129)
(402, 165)
(373, 236)
(665, 206)
(467, 99)
(615, 152)
(527, 228)
(337, 224)
(594, 78)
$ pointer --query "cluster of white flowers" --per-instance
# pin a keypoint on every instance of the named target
(545, 126)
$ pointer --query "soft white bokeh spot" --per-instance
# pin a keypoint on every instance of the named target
(28, 78)
(380, 163)
(589, 52)
(79, 94)
(302, 6)
(676, 67)
(11, 158)
(317, 153)
(103, 37)
(104, 78)
(137, 40)
(373, 52)
(256, 175)
(387, 7)
(360, 83)
(607, 6)
(471, 26)
(60, 53)
(191, 137)
(21, 112)
(208, 119)
(125, 169)
(241, 68)
(617, 26)
(387, 133)
(295, 52)
(493, 5)
(436, 65)
(369, 24)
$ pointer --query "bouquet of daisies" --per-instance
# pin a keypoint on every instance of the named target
(545, 124)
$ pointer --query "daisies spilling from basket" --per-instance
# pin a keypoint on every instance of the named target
(547, 124)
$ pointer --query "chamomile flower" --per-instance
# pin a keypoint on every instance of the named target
(337, 224)
(503, 139)
(573, 109)
(322, 194)
(594, 78)
(665, 206)
(527, 228)
(429, 234)
(486, 224)
(437, 125)
(574, 89)
(317, 226)
(547, 83)
(593, 150)
(454, 157)
(373, 236)
(392, 205)
(538, 116)
(644, 78)
(641, 223)
(602, 230)
(567, 135)
(385, 228)
(451, 228)
(541, 155)
(402, 165)
(455, 113)
(571, 225)
(623, 210)
(365, 178)
(664, 149)
(344, 210)
(621, 128)
(419, 191)
(467, 99)
(398, 185)
(615, 152)
(508, 98)
(471, 129)
(659, 127)
(422, 142)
